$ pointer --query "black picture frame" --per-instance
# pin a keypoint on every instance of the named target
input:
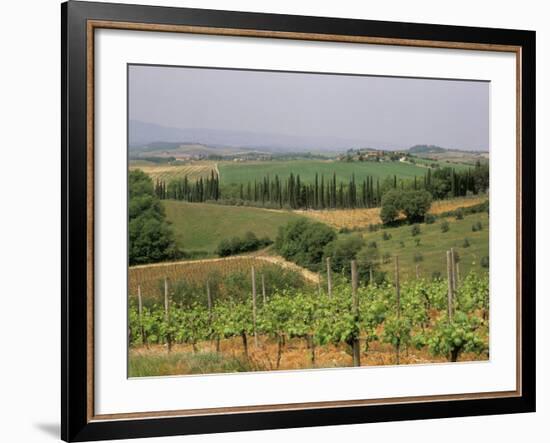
(76, 423)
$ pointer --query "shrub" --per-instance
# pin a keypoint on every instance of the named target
(436, 275)
(466, 243)
(485, 262)
(391, 205)
(342, 250)
(457, 256)
(402, 244)
(477, 226)
(372, 244)
(445, 226)
(429, 219)
(417, 242)
(373, 228)
(303, 242)
(415, 230)
(386, 236)
(415, 205)
(249, 242)
(386, 258)
(459, 214)
(418, 257)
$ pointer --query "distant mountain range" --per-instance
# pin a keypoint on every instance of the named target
(149, 137)
(143, 135)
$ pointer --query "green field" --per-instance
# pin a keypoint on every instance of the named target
(433, 245)
(457, 165)
(244, 172)
(201, 226)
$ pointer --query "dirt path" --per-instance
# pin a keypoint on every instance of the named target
(272, 259)
(278, 260)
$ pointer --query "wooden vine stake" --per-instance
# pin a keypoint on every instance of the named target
(449, 286)
(264, 298)
(209, 298)
(417, 271)
(140, 313)
(167, 314)
(329, 278)
(355, 304)
(209, 301)
(254, 306)
(453, 270)
(398, 300)
(397, 287)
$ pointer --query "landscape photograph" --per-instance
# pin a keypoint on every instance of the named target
(300, 220)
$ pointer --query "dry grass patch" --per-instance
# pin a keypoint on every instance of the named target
(155, 360)
(362, 218)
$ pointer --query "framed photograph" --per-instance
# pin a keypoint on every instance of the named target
(276, 221)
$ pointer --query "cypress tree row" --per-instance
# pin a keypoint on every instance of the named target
(321, 193)
(182, 189)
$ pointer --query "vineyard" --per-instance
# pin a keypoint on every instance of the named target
(220, 272)
(291, 325)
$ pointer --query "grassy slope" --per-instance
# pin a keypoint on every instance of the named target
(201, 226)
(433, 244)
(249, 171)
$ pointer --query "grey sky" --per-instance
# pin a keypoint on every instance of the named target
(375, 111)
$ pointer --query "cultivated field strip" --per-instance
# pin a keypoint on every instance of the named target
(149, 277)
(166, 173)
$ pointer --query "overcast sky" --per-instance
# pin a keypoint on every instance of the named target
(389, 111)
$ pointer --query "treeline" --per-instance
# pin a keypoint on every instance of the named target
(321, 194)
(183, 189)
(150, 237)
(326, 192)
(447, 182)
(237, 245)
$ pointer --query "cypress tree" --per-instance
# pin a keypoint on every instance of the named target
(333, 203)
(298, 192)
(322, 191)
(453, 183)
(316, 192)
